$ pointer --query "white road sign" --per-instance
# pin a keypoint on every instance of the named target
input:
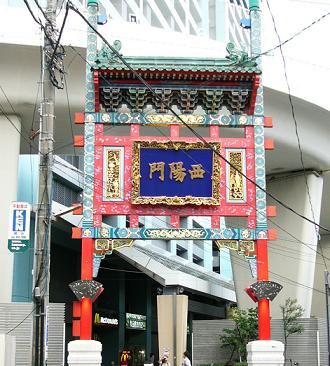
(19, 221)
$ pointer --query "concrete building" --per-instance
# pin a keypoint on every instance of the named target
(187, 28)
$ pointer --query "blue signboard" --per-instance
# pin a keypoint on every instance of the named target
(19, 227)
(175, 173)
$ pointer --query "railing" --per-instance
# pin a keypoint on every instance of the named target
(236, 34)
(215, 19)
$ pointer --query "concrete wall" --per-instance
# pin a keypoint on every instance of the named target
(292, 256)
(318, 304)
(302, 348)
(9, 151)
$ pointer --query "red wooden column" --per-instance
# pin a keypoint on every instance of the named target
(86, 274)
(263, 304)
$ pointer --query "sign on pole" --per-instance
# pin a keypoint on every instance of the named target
(19, 227)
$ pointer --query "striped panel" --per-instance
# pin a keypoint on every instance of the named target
(302, 348)
(16, 320)
(10, 316)
(56, 321)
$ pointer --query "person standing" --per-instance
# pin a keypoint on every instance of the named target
(186, 360)
(164, 361)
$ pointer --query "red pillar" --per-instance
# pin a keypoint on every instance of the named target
(86, 274)
(263, 305)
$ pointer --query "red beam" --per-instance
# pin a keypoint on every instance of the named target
(263, 305)
(76, 232)
(78, 141)
(268, 122)
(79, 117)
(86, 319)
(269, 144)
(86, 274)
(271, 211)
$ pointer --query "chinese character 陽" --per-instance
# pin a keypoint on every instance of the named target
(197, 171)
(177, 171)
(157, 167)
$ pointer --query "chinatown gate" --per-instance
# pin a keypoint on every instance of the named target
(173, 176)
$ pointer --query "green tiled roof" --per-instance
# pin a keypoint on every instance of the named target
(236, 62)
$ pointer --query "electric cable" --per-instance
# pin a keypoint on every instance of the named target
(195, 134)
(309, 246)
(57, 58)
(70, 120)
(60, 35)
(2, 110)
(22, 321)
(322, 17)
(201, 138)
(295, 124)
(281, 277)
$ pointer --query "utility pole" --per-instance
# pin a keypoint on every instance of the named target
(326, 284)
(43, 216)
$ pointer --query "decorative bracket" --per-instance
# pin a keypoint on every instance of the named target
(264, 290)
(238, 57)
(106, 55)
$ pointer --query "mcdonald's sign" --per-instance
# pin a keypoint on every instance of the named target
(107, 321)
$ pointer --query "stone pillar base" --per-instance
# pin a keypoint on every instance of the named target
(87, 353)
(265, 353)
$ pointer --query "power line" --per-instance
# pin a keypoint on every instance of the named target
(201, 138)
(309, 246)
(21, 322)
(322, 17)
(283, 278)
(170, 108)
(296, 126)
(51, 52)
(2, 110)
(163, 221)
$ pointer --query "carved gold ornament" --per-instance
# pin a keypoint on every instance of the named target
(177, 172)
(112, 175)
(166, 119)
(236, 179)
(242, 247)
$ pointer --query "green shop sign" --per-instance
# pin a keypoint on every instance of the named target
(136, 321)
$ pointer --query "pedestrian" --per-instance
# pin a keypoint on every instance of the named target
(186, 361)
(164, 361)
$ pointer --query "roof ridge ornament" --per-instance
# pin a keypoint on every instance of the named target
(106, 55)
(239, 57)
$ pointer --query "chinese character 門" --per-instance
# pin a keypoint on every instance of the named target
(157, 167)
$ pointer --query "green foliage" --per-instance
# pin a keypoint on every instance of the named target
(291, 312)
(245, 331)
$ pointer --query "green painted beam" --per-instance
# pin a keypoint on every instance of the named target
(158, 119)
(174, 234)
(254, 4)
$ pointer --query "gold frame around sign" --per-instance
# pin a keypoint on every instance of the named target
(175, 201)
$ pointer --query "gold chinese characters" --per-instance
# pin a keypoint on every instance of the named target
(177, 171)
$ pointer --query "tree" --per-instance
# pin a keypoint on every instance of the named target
(245, 331)
(291, 312)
